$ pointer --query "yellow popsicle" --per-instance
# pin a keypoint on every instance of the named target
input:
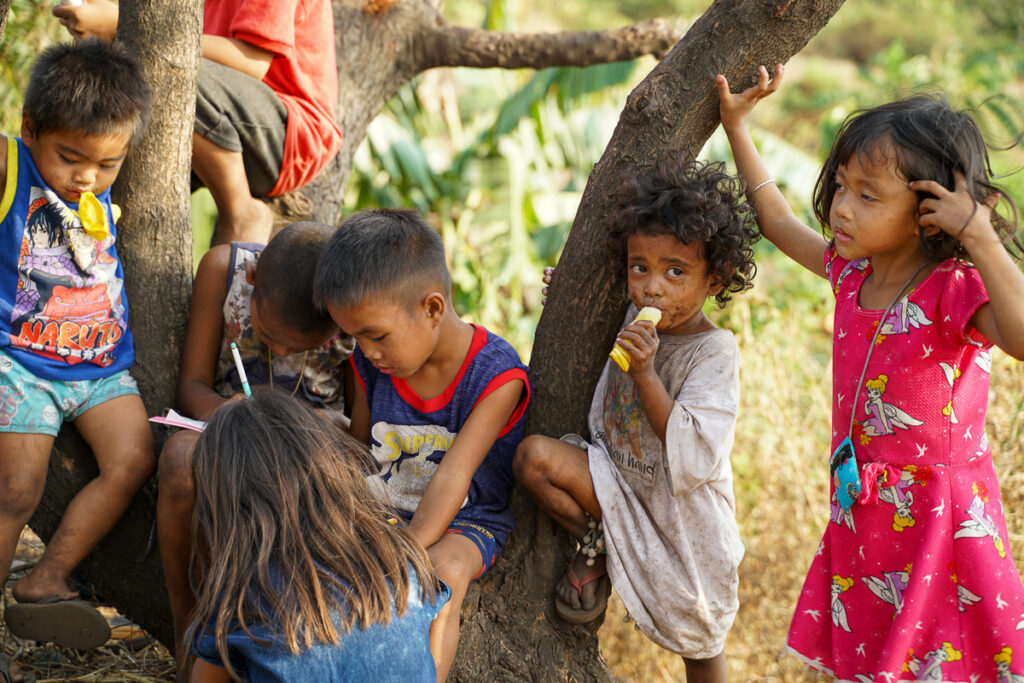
(93, 217)
(619, 354)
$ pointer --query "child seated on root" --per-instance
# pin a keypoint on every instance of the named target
(297, 572)
(651, 496)
(261, 298)
(439, 400)
(65, 343)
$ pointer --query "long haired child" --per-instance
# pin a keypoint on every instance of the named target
(297, 572)
(651, 496)
(913, 579)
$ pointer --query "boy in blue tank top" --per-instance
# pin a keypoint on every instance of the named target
(65, 344)
(440, 401)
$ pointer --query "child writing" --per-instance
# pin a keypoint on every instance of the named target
(264, 121)
(652, 496)
(440, 401)
(65, 344)
(913, 568)
(260, 298)
(298, 574)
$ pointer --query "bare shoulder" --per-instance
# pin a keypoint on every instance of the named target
(212, 273)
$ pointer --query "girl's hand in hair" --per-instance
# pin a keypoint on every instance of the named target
(956, 212)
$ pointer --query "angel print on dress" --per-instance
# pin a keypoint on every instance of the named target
(930, 668)
(904, 316)
(1003, 660)
(889, 588)
(901, 497)
(839, 586)
(980, 523)
(884, 417)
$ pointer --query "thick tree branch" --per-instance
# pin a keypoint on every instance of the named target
(5, 8)
(447, 45)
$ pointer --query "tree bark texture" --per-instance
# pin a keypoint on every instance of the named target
(5, 10)
(510, 632)
(155, 246)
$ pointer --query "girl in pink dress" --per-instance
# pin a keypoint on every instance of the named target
(913, 579)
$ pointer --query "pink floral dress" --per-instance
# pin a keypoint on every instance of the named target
(916, 582)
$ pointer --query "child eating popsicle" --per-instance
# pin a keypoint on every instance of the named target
(651, 495)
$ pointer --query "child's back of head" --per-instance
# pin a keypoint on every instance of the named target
(925, 139)
(91, 88)
(283, 284)
(286, 531)
(696, 203)
(387, 255)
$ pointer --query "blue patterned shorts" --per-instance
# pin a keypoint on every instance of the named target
(30, 405)
(484, 540)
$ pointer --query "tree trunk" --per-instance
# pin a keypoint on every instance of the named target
(510, 632)
(155, 246)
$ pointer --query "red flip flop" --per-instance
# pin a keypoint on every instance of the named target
(601, 593)
(70, 623)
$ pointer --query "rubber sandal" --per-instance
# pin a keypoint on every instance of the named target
(70, 623)
(601, 593)
(6, 661)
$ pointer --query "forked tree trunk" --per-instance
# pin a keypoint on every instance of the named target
(510, 631)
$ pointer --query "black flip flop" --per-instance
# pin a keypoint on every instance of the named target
(70, 623)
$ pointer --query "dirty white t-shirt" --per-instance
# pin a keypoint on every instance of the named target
(668, 509)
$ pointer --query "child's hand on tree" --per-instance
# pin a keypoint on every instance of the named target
(90, 18)
(733, 109)
(548, 272)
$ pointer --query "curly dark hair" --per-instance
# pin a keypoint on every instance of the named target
(695, 202)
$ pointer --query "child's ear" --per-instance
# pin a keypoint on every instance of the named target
(27, 129)
(434, 304)
(716, 288)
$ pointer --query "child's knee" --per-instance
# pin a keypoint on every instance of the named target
(530, 462)
(175, 466)
(19, 495)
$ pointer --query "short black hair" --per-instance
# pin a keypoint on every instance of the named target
(284, 277)
(697, 203)
(91, 87)
(927, 140)
(381, 255)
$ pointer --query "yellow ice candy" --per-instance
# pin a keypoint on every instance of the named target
(94, 218)
(619, 354)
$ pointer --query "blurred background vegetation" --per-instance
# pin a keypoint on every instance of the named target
(498, 160)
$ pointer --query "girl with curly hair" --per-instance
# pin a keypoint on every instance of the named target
(651, 497)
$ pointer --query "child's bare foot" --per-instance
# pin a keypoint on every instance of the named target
(248, 220)
(40, 584)
(581, 595)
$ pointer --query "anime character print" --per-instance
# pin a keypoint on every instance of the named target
(840, 585)
(930, 668)
(889, 587)
(980, 524)
(884, 417)
(68, 303)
